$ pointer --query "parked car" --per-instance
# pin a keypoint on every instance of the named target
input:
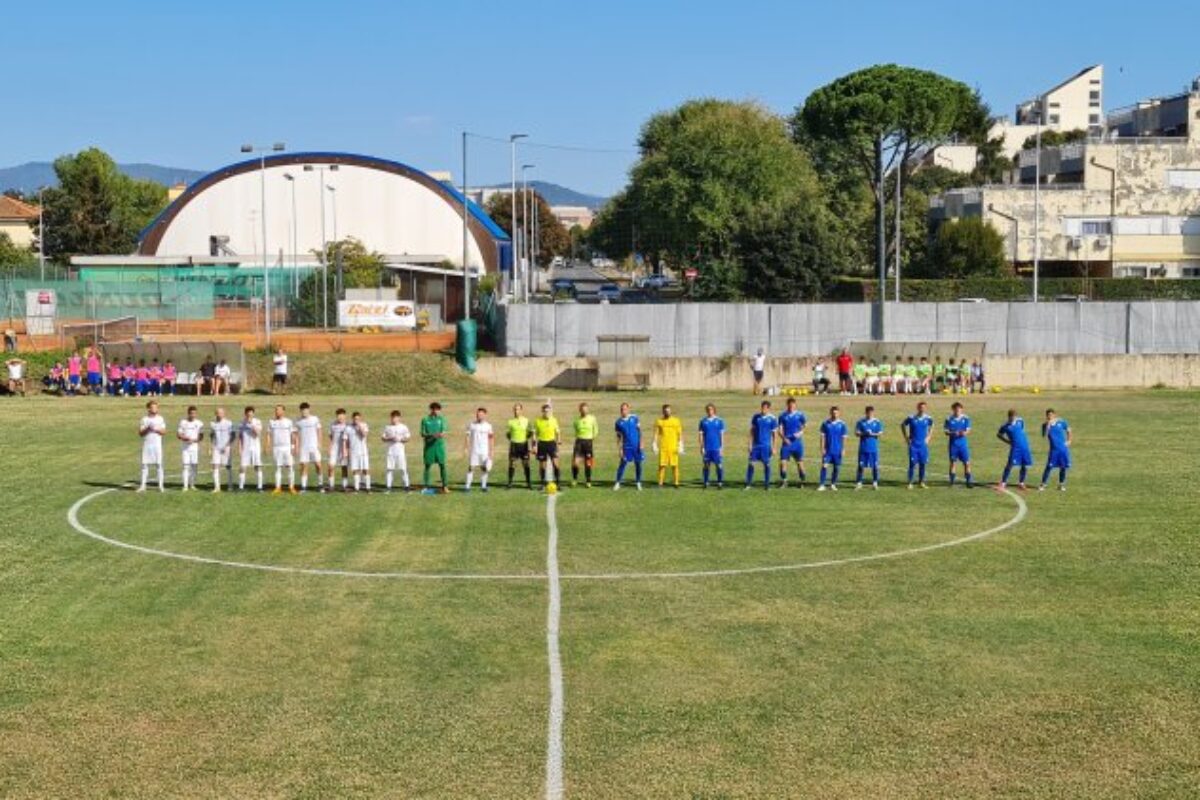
(563, 287)
(609, 292)
(558, 262)
(656, 282)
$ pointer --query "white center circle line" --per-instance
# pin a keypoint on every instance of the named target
(79, 527)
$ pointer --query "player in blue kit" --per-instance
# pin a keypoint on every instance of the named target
(834, 433)
(918, 430)
(1012, 433)
(791, 446)
(629, 439)
(868, 429)
(762, 443)
(957, 429)
(712, 444)
(1058, 433)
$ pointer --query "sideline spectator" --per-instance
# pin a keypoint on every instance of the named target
(758, 366)
(16, 375)
(223, 375)
(977, 378)
(169, 376)
(74, 373)
(95, 372)
(820, 381)
(114, 379)
(10, 340)
(56, 380)
(208, 372)
(279, 381)
(845, 363)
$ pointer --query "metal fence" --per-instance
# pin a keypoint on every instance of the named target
(722, 329)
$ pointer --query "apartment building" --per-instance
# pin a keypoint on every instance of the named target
(1123, 204)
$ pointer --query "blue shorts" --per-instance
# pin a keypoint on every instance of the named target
(760, 453)
(712, 457)
(140, 387)
(74, 380)
(868, 460)
(93, 379)
(834, 459)
(959, 451)
(918, 455)
(633, 455)
(793, 449)
(1020, 458)
(1059, 459)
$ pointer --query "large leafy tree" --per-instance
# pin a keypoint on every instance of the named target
(13, 257)
(553, 237)
(95, 209)
(876, 120)
(968, 247)
(704, 169)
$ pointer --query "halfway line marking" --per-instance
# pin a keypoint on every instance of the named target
(554, 731)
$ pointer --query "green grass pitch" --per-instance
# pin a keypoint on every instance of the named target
(1058, 658)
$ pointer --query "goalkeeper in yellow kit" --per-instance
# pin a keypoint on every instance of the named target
(668, 443)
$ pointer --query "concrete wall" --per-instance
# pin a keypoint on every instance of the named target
(724, 374)
(693, 330)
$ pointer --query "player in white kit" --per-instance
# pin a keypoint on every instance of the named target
(481, 441)
(283, 449)
(151, 430)
(360, 460)
(221, 439)
(309, 429)
(250, 447)
(190, 432)
(396, 434)
(339, 453)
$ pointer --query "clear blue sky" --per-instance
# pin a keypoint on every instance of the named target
(154, 82)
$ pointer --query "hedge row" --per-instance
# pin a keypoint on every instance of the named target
(1001, 289)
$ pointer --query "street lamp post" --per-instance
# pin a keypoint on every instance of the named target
(42, 232)
(466, 267)
(512, 202)
(324, 242)
(337, 282)
(1037, 199)
(262, 174)
(526, 230)
(291, 179)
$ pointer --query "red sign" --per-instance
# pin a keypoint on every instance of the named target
(44, 298)
(691, 273)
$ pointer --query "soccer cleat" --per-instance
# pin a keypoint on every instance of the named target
(445, 490)
(875, 486)
(1062, 487)
(588, 484)
(924, 485)
(858, 486)
(821, 488)
(216, 490)
(292, 490)
(746, 488)
(1022, 486)
(910, 486)
(720, 486)
(277, 490)
(833, 487)
(616, 487)
(467, 489)
(483, 489)
(141, 489)
(1002, 486)
(639, 486)
(1042, 488)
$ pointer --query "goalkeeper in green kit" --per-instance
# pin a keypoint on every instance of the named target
(433, 433)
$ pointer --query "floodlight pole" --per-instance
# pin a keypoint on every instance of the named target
(512, 207)
(465, 212)
(262, 180)
(1037, 201)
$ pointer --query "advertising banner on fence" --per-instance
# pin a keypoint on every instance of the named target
(400, 314)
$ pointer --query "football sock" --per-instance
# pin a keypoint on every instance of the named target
(528, 479)
(720, 474)
(483, 480)
(859, 477)
(574, 471)
(676, 470)
(145, 475)
(1023, 473)
(587, 472)
(766, 474)
(216, 479)
(662, 473)
(803, 477)
(278, 476)
(404, 478)
(260, 478)
(951, 477)
(823, 475)
(160, 477)
(875, 474)
(291, 477)
(637, 471)
(357, 481)
(621, 470)
(442, 472)
(706, 474)
(242, 480)
(388, 479)
(345, 482)
(921, 472)
(834, 477)
(911, 468)
(1062, 476)
(512, 470)
(1007, 472)
(470, 477)
(750, 473)
(970, 480)
(367, 481)
(1046, 474)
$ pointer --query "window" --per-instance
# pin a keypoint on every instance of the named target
(1183, 178)
(1095, 227)
(1191, 272)
(1094, 119)
(1054, 119)
(1094, 96)
(1133, 272)
(1054, 105)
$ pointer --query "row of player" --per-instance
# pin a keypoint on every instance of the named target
(348, 438)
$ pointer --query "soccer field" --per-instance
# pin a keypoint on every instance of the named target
(938, 643)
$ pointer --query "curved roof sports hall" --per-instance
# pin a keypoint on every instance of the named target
(391, 207)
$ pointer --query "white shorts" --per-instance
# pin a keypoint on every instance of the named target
(152, 456)
(310, 455)
(397, 461)
(336, 460)
(480, 460)
(251, 458)
(191, 455)
(360, 462)
(220, 457)
(282, 456)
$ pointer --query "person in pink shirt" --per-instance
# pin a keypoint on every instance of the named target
(114, 379)
(95, 372)
(129, 374)
(57, 381)
(142, 379)
(74, 373)
(154, 375)
(169, 375)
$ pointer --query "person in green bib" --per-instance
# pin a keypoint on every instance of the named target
(586, 429)
(433, 433)
(517, 432)
(547, 437)
(939, 374)
(924, 376)
(885, 377)
(860, 377)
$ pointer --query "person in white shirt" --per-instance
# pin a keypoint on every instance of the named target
(339, 452)
(16, 375)
(758, 366)
(396, 434)
(250, 446)
(190, 432)
(279, 380)
(481, 441)
(360, 460)
(283, 449)
(221, 376)
(221, 440)
(309, 429)
(151, 429)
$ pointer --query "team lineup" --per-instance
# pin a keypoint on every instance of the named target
(343, 450)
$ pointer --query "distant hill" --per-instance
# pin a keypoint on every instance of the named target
(561, 196)
(30, 177)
